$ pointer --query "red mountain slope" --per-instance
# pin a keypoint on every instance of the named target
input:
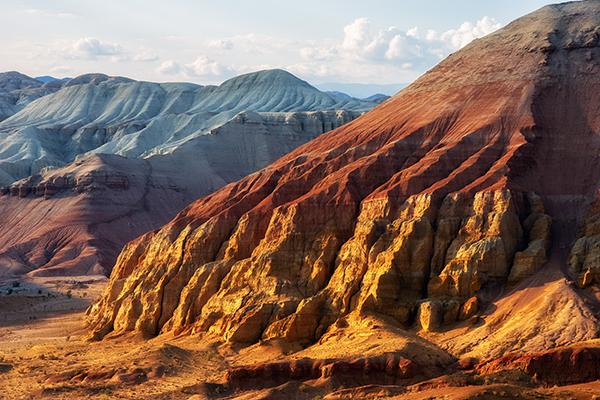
(423, 213)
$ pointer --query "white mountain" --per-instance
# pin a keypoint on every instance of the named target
(113, 115)
(18, 90)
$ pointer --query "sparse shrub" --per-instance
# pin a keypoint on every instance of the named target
(69, 294)
(16, 284)
(9, 291)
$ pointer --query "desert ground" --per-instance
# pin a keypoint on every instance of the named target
(44, 353)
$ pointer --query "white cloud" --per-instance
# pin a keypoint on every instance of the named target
(202, 67)
(413, 32)
(92, 48)
(145, 55)
(467, 32)
(169, 67)
(221, 44)
(400, 50)
(207, 67)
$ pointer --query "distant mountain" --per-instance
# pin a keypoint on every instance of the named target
(115, 115)
(340, 95)
(377, 98)
(362, 90)
(18, 90)
(104, 159)
(11, 81)
(47, 79)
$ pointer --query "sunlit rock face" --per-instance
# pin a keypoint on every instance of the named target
(420, 212)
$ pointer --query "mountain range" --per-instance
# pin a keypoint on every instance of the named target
(95, 161)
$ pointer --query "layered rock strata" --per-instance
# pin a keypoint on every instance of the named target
(420, 212)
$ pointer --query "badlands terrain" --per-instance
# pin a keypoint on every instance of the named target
(443, 245)
(103, 159)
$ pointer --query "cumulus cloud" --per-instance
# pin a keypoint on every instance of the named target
(145, 55)
(221, 44)
(169, 67)
(206, 67)
(468, 31)
(390, 48)
(202, 67)
(92, 48)
(364, 53)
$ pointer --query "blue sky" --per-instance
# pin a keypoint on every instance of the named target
(375, 41)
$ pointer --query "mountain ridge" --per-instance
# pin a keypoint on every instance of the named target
(88, 114)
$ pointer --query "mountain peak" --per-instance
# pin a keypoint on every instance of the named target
(13, 80)
(95, 79)
(277, 77)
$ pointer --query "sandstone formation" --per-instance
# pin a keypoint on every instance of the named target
(75, 220)
(424, 211)
(584, 258)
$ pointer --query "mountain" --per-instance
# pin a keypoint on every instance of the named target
(377, 98)
(48, 79)
(340, 95)
(163, 144)
(96, 113)
(457, 221)
(362, 90)
(17, 90)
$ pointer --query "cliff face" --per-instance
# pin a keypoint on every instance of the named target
(421, 212)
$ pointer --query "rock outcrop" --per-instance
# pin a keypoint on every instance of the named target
(560, 366)
(421, 212)
(584, 258)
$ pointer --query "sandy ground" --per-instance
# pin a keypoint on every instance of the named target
(44, 354)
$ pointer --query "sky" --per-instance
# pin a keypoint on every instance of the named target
(208, 41)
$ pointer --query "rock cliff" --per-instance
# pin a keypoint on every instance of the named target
(421, 213)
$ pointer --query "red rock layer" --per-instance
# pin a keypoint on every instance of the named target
(562, 366)
(416, 211)
(387, 369)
